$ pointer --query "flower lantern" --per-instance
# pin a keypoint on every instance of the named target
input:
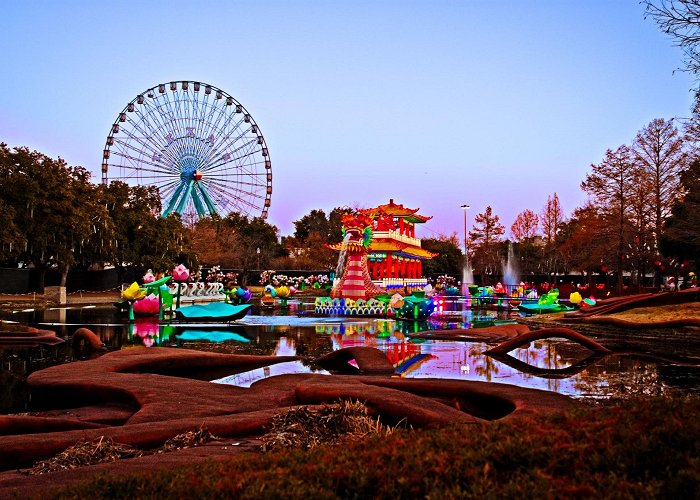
(148, 277)
(148, 305)
(283, 292)
(132, 294)
(180, 275)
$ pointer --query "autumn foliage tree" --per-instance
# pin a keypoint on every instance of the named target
(609, 186)
(233, 242)
(584, 241)
(525, 226)
(525, 235)
(551, 218)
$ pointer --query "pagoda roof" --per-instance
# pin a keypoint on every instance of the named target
(392, 246)
(398, 210)
(399, 247)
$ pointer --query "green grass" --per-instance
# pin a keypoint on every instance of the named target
(648, 448)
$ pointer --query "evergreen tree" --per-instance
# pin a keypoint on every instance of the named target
(681, 236)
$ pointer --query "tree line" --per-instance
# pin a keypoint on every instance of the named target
(642, 215)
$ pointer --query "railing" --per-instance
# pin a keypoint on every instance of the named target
(410, 284)
(397, 236)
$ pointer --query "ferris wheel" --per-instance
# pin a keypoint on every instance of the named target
(198, 145)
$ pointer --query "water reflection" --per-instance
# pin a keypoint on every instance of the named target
(555, 365)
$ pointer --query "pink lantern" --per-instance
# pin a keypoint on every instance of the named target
(148, 277)
(181, 273)
(146, 328)
(147, 305)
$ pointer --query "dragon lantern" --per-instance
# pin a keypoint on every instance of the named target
(355, 281)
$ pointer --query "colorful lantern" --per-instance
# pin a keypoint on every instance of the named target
(148, 305)
(181, 273)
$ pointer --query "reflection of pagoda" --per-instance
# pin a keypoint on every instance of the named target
(406, 357)
(395, 257)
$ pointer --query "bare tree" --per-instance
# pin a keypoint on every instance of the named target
(525, 226)
(658, 150)
(551, 218)
(680, 19)
(609, 186)
(641, 216)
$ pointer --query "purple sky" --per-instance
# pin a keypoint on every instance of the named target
(433, 103)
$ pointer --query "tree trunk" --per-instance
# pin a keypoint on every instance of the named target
(64, 275)
(120, 273)
(42, 279)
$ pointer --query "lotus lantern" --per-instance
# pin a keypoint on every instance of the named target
(150, 304)
(134, 292)
(181, 273)
(148, 277)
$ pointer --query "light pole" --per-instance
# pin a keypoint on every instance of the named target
(465, 208)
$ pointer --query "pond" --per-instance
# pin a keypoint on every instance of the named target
(554, 365)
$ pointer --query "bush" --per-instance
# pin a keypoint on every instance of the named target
(635, 449)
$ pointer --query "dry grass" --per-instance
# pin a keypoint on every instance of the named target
(105, 450)
(309, 426)
(660, 313)
(188, 440)
(86, 453)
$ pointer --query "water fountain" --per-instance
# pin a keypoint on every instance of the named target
(510, 268)
(467, 280)
(467, 277)
(342, 257)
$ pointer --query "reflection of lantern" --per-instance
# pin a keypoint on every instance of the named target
(145, 328)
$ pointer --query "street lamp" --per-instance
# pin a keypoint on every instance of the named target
(465, 208)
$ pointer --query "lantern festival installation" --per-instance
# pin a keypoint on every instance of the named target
(381, 252)
(379, 256)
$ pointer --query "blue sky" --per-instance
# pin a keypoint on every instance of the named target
(433, 103)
